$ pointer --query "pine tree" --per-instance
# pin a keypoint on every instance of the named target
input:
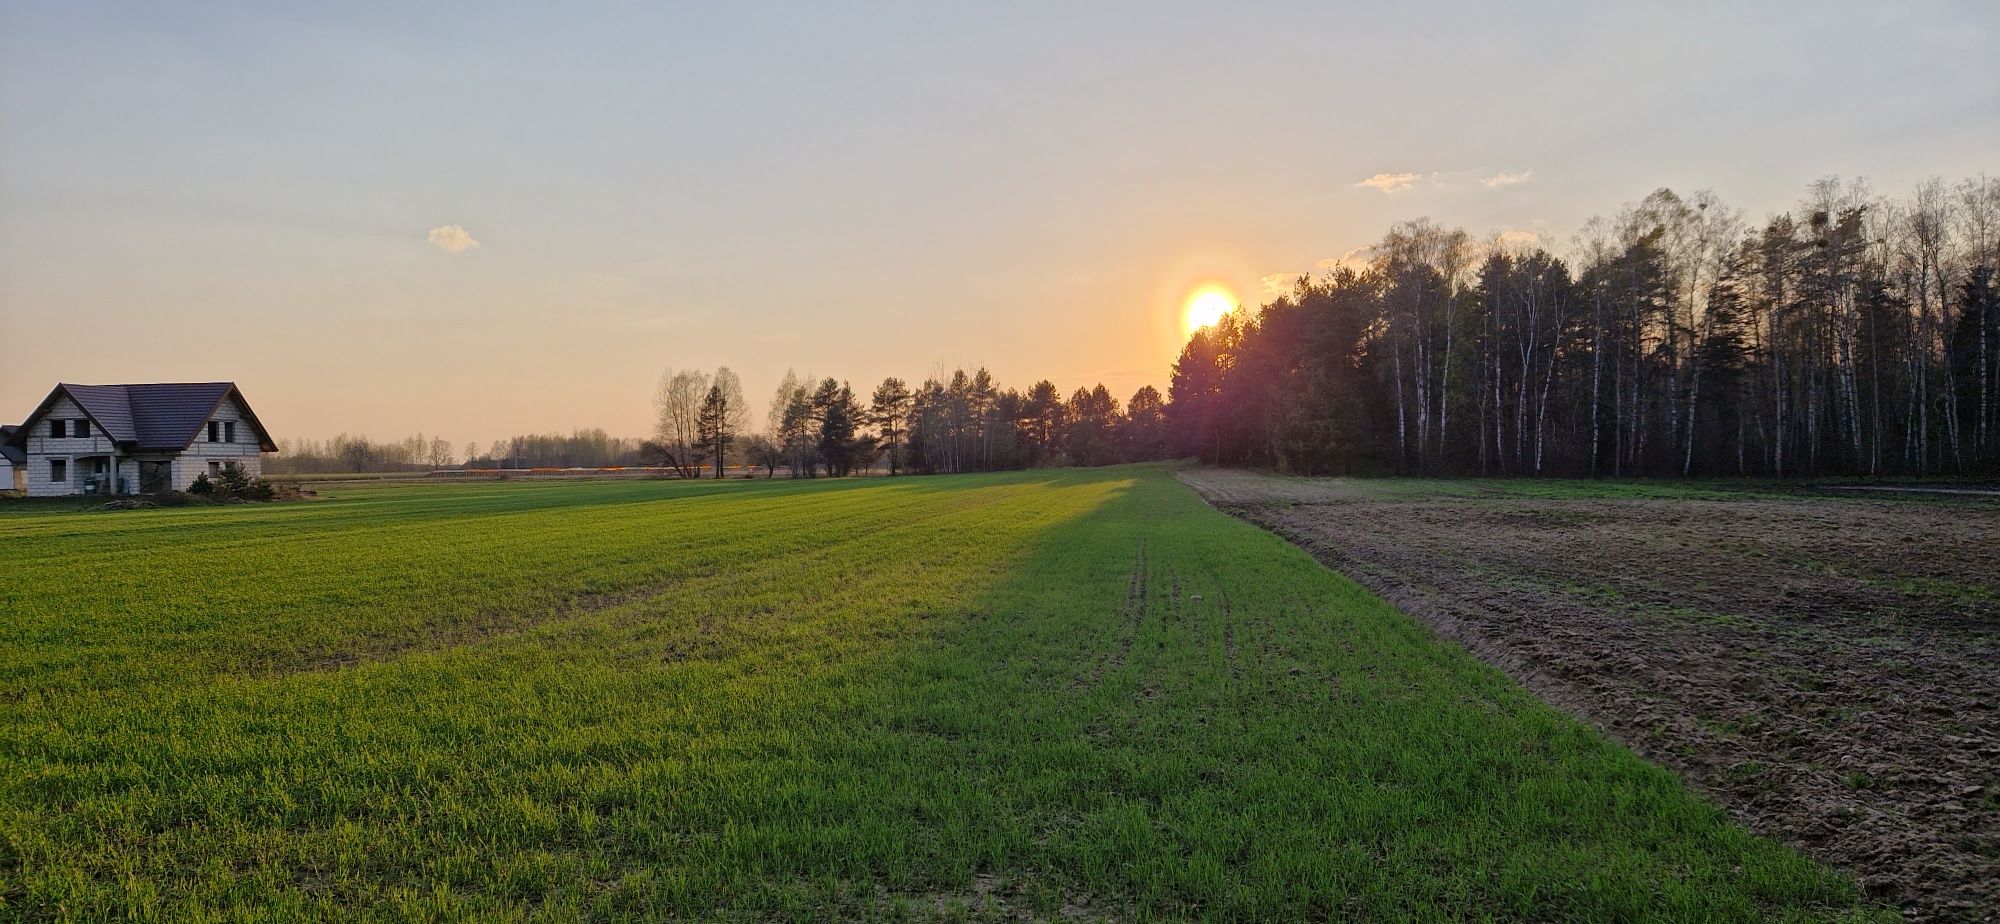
(712, 427)
(889, 413)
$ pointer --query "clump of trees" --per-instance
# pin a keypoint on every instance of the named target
(1855, 334)
(967, 422)
(701, 417)
(821, 427)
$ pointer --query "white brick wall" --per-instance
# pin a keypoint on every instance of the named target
(42, 448)
(198, 456)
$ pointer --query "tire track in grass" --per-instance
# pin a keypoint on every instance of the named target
(497, 623)
(439, 626)
(477, 540)
(433, 572)
(1229, 638)
(1227, 615)
(1137, 591)
(66, 534)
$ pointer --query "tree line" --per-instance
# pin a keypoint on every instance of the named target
(963, 422)
(1853, 335)
(589, 448)
(356, 453)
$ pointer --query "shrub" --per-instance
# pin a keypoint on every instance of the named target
(233, 482)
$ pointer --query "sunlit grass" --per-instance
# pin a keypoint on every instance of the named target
(915, 698)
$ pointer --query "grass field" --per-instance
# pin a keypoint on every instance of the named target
(1063, 694)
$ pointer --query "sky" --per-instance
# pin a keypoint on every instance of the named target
(478, 220)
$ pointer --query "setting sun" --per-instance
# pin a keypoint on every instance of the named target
(1207, 305)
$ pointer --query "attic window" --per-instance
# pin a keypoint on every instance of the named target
(215, 431)
(229, 431)
(58, 429)
(79, 428)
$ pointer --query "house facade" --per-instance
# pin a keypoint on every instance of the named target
(13, 462)
(137, 439)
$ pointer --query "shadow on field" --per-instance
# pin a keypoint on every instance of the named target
(1163, 712)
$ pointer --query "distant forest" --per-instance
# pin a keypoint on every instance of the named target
(1853, 335)
(812, 427)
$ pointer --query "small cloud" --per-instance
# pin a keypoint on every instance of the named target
(1358, 258)
(1278, 285)
(452, 238)
(1506, 179)
(1390, 182)
(1518, 239)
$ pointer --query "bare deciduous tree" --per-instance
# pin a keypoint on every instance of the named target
(678, 428)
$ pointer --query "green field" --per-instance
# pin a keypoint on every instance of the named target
(1060, 694)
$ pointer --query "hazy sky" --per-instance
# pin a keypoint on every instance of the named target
(291, 199)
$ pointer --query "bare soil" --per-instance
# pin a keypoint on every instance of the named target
(1826, 667)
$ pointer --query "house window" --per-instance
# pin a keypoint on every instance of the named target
(215, 468)
(58, 471)
(79, 428)
(58, 429)
(229, 431)
(214, 431)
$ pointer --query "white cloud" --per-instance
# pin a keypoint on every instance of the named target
(452, 238)
(1355, 259)
(1519, 237)
(1390, 182)
(1393, 183)
(1278, 285)
(1506, 179)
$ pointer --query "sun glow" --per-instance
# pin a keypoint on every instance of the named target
(1205, 306)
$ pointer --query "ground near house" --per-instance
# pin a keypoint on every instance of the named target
(1068, 695)
(1824, 663)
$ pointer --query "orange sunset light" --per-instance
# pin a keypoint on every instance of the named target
(1206, 306)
